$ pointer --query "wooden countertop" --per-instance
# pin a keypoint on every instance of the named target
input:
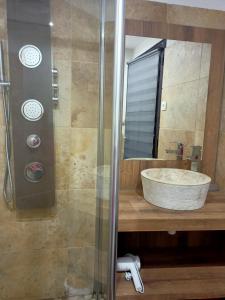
(175, 283)
(136, 214)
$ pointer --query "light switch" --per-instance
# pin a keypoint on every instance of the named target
(164, 105)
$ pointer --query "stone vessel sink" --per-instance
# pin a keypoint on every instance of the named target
(175, 188)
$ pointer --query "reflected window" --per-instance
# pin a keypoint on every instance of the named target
(143, 101)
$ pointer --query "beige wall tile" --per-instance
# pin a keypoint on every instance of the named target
(84, 106)
(62, 136)
(3, 28)
(205, 60)
(38, 274)
(184, 15)
(18, 236)
(107, 146)
(74, 225)
(5, 214)
(141, 10)
(185, 93)
(168, 139)
(182, 63)
(201, 104)
(174, 14)
(83, 158)
(62, 29)
(80, 267)
(62, 109)
(181, 106)
(85, 46)
(2, 120)
(2, 148)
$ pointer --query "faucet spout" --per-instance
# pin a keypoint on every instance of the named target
(179, 151)
(131, 265)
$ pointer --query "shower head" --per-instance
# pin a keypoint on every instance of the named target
(30, 56)
(32, 110)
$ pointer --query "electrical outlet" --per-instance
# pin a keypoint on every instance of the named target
(164, 105)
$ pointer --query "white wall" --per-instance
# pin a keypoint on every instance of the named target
(144, 46)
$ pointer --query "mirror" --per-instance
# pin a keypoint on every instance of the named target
(165, 98)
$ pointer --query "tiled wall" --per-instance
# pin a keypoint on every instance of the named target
(185, 90)
(38, 255)
(190, 16)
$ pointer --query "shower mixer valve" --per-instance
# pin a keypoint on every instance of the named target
(34, 171)
(33, 141)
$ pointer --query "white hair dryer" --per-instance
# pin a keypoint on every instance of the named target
(131, 265)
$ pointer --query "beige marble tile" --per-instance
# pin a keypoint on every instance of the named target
(85, 35)
(18, 236)
(2, 120)
(62, 137)
(62, 29)
(184, 15)
(2, 148)
(107, 146)
(108, 92)
(202, 103)
(33, 274)
(80, 267)
(205, 60)
(220, 167)
(62, 110)
(182, 63)
(84, 106)
(74, 225)
(181, 106)
(83, 158)
(108, 109)
(5, 214)
(168, 139)
(3, 27)
(145, 10)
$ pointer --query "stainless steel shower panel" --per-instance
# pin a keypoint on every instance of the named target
(31, 102)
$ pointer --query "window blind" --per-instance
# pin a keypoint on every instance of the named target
(142, 85)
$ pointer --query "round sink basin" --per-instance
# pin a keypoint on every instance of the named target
(175, 188)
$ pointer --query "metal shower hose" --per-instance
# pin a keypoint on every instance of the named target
(8, 181)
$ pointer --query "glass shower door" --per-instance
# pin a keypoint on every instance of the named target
(109, 131)
(59, 59)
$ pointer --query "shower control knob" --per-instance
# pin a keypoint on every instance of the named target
(33, 141)
(34, 171)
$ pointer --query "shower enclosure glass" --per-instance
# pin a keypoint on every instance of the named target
(56, 77)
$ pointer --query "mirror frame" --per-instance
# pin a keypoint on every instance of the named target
(216, 75)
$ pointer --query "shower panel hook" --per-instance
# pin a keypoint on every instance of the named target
(4, 84)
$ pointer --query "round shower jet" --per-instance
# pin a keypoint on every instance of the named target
(32, 110)
(30, 56)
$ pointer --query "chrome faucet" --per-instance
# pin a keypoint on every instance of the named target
(179, 151)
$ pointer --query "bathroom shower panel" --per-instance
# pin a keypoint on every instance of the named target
(31, 105)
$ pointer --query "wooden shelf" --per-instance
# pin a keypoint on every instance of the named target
(136, 214)
(176, 283)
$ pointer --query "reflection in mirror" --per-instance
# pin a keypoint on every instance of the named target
(165, 97)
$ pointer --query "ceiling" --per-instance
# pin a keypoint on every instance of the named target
(210, 4)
